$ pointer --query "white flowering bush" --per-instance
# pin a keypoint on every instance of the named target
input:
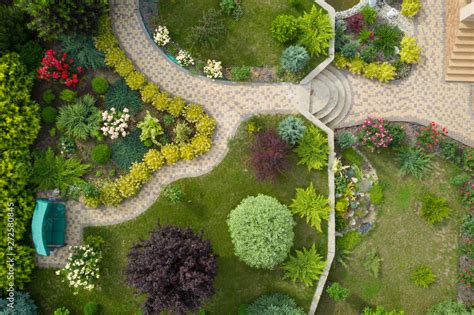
(161, 36)
(184, 58)
(213, 69)
(114, 123)
(82, 268)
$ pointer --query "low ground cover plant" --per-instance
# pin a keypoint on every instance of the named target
(337, 292)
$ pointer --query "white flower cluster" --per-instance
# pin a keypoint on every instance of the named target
(82, 268)
(115, 123)
(161, 35)
(213, 69)
(184, 58)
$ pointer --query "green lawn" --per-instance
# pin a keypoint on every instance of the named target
(403, 240)
(209, 199)
(247, 42)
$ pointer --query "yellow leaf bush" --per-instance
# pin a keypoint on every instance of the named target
(124, 68)
(149, 92)
(410, 7)
(170, 153)
(153, 159)
(135, 80)
(186, 151)
(193, 113)
(410, 51)
(176, 106)
(206, 125)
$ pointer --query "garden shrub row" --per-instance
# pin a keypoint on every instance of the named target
(20, 123)
(128, 185)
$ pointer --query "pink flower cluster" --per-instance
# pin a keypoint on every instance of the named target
(428, 137)
(115, 123)
(56, 66)
(374, 134)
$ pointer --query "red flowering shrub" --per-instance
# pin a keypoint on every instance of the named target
(428, 137)
(269, 153)
(465, 277)
(373, 133)
(355, 22)
(56, 66)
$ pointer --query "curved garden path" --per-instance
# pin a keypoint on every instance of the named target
(424, 96)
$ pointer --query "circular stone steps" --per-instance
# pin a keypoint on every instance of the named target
(331, 97)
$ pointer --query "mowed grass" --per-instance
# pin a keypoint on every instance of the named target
(208, 201)
(403, 240)
(247, 42)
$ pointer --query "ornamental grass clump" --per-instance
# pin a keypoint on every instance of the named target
(261, 229)
(413, 161)
(82, 268)
(79, 120)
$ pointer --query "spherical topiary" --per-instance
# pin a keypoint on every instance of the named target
(101, 153)
(284, 28)
(277, 303)
(349, 50)
(68, 95)
(49, 114)
(294, 58)
(91, 308)
(48, 96)
(291, 129)
(261, 229)
(100, 85)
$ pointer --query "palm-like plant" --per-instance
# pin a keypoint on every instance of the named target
(306, 266)
(308, 204)
(316, 31)
(81, 119)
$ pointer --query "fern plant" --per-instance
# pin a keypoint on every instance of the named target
(151, 129)
(423, 276)
(372, 263)
(306, 266)
(81, 119)
(311, 206)
(50, 172)
(315, 31)
(82, 50)
(313, 149)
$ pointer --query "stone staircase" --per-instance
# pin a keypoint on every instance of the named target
(461, 60)
(330, 97)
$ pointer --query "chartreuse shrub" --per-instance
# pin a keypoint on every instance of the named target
(261, 229)
(386, 38)
(23, 304)
(434, 209)
(315, 31)
(337, 292)
(101, 153)
(135, 80)
(305, 267)
(380, 310)
(411, 7)
(276, 303)
(193, 113)
(100, 85)
(284, 28)
(291, 129)
(68, 95)
(154, 159)
(448, 308)
(294, 58)
(61, 311)
(312, 207)
(423, 276)
(410, 51)
(150, 129)
(313, 149)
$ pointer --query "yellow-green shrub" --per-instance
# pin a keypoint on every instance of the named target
(153, 159)
(106, 38)
(356, 65)
(171, 153)
(386, 72)
(140, 172)
(135, 80)
(206, 125)
(91, 202)
(161, 101)
(176, 106)
(193, 112)
(124, 68)
(149, 92)
(186, 151)
(201, 144)
(114, 56)
(410, 7)
(109, 194)
(371, 70)
(410, 51)
(340, 61)
(128, 186)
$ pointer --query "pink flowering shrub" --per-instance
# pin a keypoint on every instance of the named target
(114, 123)
(428, 137)
(373, 133)
(58, 67)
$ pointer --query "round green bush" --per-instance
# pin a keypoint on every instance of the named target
(272, 304)
(101, 153)
(291, 129)
(100, 85)
(345, 140)
(68, 95)
(294, 58)
(48, 96)
(49, 114)
(284, 28)
(91, 308)
(261, 229)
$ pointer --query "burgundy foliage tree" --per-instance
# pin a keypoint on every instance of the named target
(355, 22)
(269, 155)
(175, 268)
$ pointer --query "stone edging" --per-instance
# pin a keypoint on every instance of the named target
(346, 13)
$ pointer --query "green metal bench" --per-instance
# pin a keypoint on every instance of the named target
(48, 226)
